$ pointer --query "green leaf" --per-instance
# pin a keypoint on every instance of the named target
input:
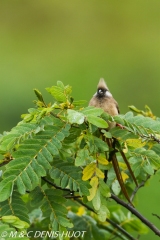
(20, 185)
(58, 93)
(70, 176)
(5, 190)
(82, 156)
(9, 219)
(116, 187)
(103, 213)
(53, 208)
(99, 122)
(60, 84)
(104, 189)
(33, 157)
(75, 117)
(17, 135)
(15, 221)
(64, 222)
(148, 169)
(38, 94)
(92, 111)
(144, 160)
(122, 134)
(96, 201)
(79, 103)
(100, 144)
(106, 134)
(15, 207)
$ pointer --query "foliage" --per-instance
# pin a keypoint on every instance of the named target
(58, 173)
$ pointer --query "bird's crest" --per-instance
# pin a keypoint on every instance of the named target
(102, 84)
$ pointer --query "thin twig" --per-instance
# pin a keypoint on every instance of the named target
(54, 185)
(4, 163)
(150, 137)
(108, 220)
(120, 229)
(137, 214)
(113, 158)
(63, 189)
(129, 167)
(72, 196)
(138, 187)
(156, 215)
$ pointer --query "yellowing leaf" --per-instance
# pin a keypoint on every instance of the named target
(157, 136)
(88, 171)
(99, 173)
(124, 176)
(102, 160)
(150, 145)
(122, 165)
(136, 143)
(81, 211)
(93, 190)
(125, 149)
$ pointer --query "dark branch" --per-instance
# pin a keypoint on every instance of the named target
(129, 167)
(113, 158)
(108, 220)
(54, 185)
(137, 214)
(156, 215)
(150, 137)
(138, 187)
(120, 229)
(72, 196)
(70, 193)
(4, 163)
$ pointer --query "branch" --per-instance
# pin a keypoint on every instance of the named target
(150, 137)
(108, 220)
(113, 158)
(4, 163)
(129, 167)
(138, 187)
(72, 196)
(54, 185)
(137, 214)
(63, 189)
(156, 215)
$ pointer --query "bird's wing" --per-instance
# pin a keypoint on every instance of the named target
(117, 108)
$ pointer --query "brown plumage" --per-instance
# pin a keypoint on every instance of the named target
(103, 99)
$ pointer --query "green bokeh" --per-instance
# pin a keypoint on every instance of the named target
(78, 42)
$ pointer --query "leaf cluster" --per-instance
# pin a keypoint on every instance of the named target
(57, 161)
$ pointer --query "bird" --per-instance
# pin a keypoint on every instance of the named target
(104, 99)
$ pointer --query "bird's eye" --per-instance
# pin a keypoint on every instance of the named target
(100, 91)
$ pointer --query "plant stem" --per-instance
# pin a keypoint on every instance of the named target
(54, 185)
(137, 214)
(138, 187)
(109, 220)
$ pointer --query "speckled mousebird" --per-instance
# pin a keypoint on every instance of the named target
(104, 99)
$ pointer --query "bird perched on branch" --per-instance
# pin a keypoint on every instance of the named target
(104, 99)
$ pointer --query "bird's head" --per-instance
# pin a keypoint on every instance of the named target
(102, 89)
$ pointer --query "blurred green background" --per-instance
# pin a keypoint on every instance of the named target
(78, 42)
